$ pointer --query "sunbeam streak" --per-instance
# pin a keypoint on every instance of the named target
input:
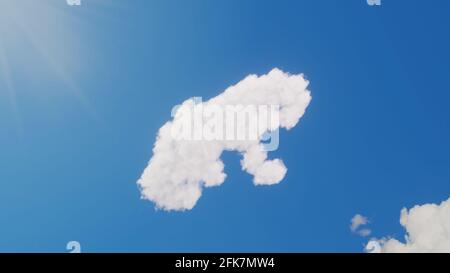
(8, 84)
(46, 28)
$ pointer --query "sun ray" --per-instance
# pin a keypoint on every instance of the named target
(62, 73)
(48, 20)
(9, 86)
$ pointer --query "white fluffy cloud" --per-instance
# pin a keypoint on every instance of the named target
(356, 222)
(179, 169)
(427, 230)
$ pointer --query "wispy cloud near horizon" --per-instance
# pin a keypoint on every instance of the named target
(427, 230)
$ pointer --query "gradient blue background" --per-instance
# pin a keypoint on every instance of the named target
(374, 139)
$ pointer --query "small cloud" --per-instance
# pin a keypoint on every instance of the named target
(357, 221)
(364, 232)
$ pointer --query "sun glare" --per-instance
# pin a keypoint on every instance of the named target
(44, 31)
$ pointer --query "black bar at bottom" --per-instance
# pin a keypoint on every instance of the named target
(219, 262)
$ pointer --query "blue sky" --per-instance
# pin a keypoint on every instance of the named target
(83, 91)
